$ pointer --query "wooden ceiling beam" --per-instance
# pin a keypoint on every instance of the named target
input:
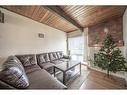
(60, 12)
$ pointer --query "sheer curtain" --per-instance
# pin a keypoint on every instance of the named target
(76, 47)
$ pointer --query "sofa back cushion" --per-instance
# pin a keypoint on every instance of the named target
(27, 60)
(59, 54)
(55, 55)
(51, 56)
(13, 61)
(13, 73)
(43, 58)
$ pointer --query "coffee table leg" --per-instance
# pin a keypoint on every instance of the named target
(64, 78)
(54, 71)
(80, 68)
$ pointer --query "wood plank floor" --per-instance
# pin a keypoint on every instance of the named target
(77, 81)
(99, 80)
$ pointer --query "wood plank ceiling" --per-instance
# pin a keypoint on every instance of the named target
(90, 15)
(80, 16)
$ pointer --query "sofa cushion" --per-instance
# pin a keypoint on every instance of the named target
(14, 75)
(13, 61)
(51, 56)
(32, 68)
(66, 57)
(59, 54)
(41, 79)
(42, 58)
(48, 67)
(64, 60)
(27, 60)
(55, 55)
(57, 62)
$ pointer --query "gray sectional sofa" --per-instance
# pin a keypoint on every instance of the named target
(31, 71)
(48, 60)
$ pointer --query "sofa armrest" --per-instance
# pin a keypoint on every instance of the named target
(66, 56)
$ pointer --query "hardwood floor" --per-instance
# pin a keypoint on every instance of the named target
(99, 80)
(92, 79)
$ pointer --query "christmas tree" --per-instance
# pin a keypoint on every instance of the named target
(109, 57)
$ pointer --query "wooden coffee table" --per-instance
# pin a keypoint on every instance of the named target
(66, 66)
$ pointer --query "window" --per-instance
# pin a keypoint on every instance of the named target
(75, 46)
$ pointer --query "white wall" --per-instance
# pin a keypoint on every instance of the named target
(125, 36)
(74, 34)
(19, 35)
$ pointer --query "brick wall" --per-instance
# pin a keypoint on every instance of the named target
(96, 33)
